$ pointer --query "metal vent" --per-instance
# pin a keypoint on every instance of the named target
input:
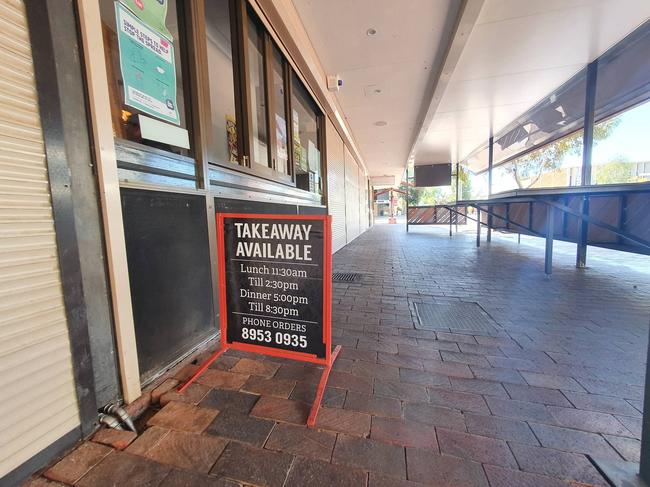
(460, 317)
(346, 277)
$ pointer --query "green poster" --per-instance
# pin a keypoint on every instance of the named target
(152, 12)
(147, 65)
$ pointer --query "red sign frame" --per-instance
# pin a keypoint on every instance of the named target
(327, 289)
(330, 356)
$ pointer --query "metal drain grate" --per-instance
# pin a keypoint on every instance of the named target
(462, 317)
(345, 277)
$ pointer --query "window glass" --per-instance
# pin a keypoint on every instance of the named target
(622, 75)
(306, 148)
(258, 136)
(145, 80)
(560, 113)
(223, 143)
(280, 116)
(553, 165)
(621, 152)
(474, 185)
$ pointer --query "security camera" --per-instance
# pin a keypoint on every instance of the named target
(334, 82)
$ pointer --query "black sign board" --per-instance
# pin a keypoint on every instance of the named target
(275, 284)
(433, 175)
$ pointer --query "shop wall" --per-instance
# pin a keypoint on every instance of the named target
(39, 406)
(351, 197)
(348, 193)
(363, 201)
(169, 270)
(336, 186)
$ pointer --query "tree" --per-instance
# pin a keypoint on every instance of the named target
(528, 168)
(614, 172)
(465, 190)
(410, 190)
(439, 194)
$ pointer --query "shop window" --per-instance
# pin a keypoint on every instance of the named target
(223, 141)
(306, 147)
(257, 92)
(143, 52)
(279, 120)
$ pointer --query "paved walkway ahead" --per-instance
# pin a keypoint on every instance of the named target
(554, 380)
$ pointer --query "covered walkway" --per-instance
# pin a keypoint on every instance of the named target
(546, 376)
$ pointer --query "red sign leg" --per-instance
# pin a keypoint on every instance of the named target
(311, 420)
(202, 369)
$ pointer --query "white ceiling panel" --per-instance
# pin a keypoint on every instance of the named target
(518, 52)
(386, 75)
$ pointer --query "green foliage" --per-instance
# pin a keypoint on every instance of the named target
(431, 196)
(614, 172)
(412, 196)
(465, 192)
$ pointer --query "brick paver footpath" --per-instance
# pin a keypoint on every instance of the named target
(558, 383)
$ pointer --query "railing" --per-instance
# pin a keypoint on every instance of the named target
(614, 217)
(435, 215)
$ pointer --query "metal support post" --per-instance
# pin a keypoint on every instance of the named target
(407, 201)
(490, 165)
(548, 259)
(478, 226)
(587, 146)
(408, 194)
(457, 190)
(644, 470)
(488, 237)
(583, 233)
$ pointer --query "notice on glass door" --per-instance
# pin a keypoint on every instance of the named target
(275, 273)
(147, 66)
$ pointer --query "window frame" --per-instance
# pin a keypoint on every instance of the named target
(320, 134)
(194, 69)
(185, 49)
(240, 12)
(269, 47)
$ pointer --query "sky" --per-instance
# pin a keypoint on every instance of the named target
(630, 140)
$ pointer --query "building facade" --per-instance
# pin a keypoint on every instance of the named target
(126, 125)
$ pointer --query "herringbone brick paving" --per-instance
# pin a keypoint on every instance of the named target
(560, 382)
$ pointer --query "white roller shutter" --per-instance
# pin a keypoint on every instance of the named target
(336, 186)
(39, 403)
(366, 203)
(351, 196)
(363, 213)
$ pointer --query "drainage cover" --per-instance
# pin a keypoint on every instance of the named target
(454, 316)
(345, 277)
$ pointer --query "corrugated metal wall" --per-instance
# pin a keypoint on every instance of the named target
(336, 186)
(351, 196)
(39, 404)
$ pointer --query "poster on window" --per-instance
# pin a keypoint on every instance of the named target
(152, 13)
(313, 157)
(281, 138)
(147, 66)
(231, 138)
